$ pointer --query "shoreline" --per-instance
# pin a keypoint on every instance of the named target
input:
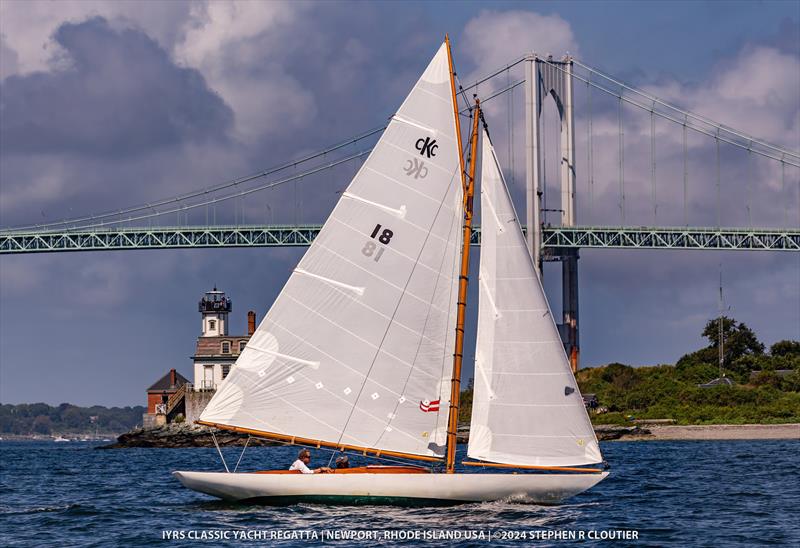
(790, 431)
(194, 436)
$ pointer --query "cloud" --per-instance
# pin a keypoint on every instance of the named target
(494, 38)
(490, 41)
(120, 95)
(237, 46)
(9, 60)
(754, 91)
(29, 26)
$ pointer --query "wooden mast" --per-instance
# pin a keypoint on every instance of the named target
(468, 184)
(463, 279)
(455, 113)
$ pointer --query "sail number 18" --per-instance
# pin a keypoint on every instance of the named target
(384, 237)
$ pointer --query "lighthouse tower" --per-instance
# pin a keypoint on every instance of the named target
(214, 308)
(217, 350)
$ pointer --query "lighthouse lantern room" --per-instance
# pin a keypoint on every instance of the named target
(214, 308)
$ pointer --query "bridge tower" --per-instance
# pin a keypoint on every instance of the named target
(543, 78)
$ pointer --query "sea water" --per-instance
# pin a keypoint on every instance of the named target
(659, 493)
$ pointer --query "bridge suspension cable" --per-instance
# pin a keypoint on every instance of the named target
(124, 215)
(694, 121)
(215, 200)
(654, 105)
(204, 191)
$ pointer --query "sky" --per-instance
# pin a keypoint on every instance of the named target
(109, 104)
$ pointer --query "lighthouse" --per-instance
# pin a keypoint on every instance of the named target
(217, 350)
(214, 309)
(215, 355)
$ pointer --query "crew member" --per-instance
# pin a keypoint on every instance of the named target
(303, 458)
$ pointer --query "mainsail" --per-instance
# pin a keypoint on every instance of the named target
(527, 409)
(357, 348)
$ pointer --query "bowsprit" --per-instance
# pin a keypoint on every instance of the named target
(427, 146)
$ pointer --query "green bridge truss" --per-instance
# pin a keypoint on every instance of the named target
(293, 236)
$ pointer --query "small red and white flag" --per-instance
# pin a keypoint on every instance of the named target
(427, 406)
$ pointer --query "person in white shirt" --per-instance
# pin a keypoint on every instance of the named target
(303, 458)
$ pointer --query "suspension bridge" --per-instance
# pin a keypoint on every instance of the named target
(152, 225)
(648, 171)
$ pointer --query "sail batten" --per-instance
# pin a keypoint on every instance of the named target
(527, 409)
(352, 349)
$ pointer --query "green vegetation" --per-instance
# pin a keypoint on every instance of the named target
(672, 392)
(667, 392)
(42, 419)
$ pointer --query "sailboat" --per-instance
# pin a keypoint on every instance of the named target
(362, 349)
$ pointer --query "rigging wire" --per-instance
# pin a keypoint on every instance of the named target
(246, 443)
(494, 73)
(216, 443)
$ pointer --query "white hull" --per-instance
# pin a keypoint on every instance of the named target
(368, 488)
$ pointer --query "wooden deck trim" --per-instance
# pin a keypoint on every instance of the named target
(360, 470)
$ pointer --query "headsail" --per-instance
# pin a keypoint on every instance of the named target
(527, 409)
(357, 348)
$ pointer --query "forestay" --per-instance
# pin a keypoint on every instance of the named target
(527, 408)
(357, 348)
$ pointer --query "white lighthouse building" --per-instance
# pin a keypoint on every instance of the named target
(216, 350)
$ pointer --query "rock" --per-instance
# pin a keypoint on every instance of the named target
(612, 432)
(182, 435)
(177, 435)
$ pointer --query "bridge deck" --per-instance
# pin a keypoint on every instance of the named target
(293, 236)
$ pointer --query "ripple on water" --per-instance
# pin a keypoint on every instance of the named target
(673, 493)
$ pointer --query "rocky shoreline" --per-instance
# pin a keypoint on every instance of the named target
(190, 435)
(180, 435)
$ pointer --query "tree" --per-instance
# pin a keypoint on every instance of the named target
(738, 339)
(42, 424)
(785, 348)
